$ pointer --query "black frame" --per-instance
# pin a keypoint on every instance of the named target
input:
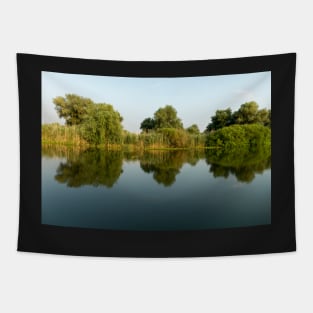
(279, 236)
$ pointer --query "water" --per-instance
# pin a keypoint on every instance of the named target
(157, 190)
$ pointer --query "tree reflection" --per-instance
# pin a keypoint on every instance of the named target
(99, 167)
(242, 166)
(91, 167)
(166, 165)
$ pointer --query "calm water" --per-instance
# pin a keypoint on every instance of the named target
(171, 190)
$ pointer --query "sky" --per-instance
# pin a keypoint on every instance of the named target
(195, 98)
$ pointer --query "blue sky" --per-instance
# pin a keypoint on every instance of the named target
(195, 98)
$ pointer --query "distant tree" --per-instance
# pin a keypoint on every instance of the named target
(269, 121)
(193, 129)
(247, 113)
(242, 138)
(167, 118)
(147, 124)
(102, 125)
(72, 108)
(222, 118)
(263, 117)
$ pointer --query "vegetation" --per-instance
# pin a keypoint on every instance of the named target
(248, 113)
(59, 134)
(72, 108)
(90, 167)
(246, 138)
(102, 125)
(98, 124)
(100, 167)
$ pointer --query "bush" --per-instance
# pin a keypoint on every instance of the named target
(175, 138)
(240, 137)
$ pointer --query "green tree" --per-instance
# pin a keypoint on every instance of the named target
(147, 124)
(241, 138)
(102, 125)
(247, 113)
(193, 129)
(222, 118)
(269, 121)
(167, 118)
(263, 117)
(72, 108)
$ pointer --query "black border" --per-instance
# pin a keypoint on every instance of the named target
(277, 237)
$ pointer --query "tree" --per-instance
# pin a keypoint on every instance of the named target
(147, 124)
(263, 117)
(241, 138)
(72, 108)
(222, 118)
(269, 121)
(247, 113)
(102, 125)
(167, 118)
(193, 129)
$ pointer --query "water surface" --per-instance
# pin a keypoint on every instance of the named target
(155, 190)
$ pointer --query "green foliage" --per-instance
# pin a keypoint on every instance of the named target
(175, 138)
(72, 108)
(130, 138)
(99, 124)
(240, 137)
(263, 117)
(147, 124)
(59, 134)
(102, 125)
(248, 113)
(222, 118)
(193, 129)
(167, 118)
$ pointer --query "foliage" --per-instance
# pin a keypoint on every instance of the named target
(102, 125)
(99, 124)
(167, 118)
(193, 129)
(248, 113)
(222, 118)
(147, 124)
(130, 138)
(59, 134)
(175, 138)
(72, 108)
(240, 137)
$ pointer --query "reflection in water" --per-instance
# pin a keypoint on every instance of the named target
(165, 166)
(242, 166)
(91, 167)
(98, 167)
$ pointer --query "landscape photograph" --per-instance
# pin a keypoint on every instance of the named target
(156, 154)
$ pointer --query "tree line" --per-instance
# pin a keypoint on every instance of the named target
(93, 166)
(90, 123)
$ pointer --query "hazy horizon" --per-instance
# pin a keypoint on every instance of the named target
(195, 98)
